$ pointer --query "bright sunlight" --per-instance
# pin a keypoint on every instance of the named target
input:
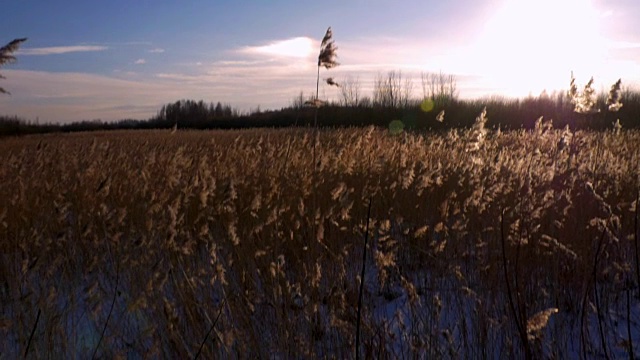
(531, 45)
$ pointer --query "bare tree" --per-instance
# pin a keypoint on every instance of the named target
(428, 85)
(440, 87)
(350, 92)
(405, 91)
(392, 91)
(298, 101)
(7, 58)
(365, 102)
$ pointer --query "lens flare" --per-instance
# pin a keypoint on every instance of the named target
(396, 127)
(427, 105)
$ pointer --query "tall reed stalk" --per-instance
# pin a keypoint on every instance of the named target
(362, 275)
(326, 58)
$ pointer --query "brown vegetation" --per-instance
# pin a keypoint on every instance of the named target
(150, 243)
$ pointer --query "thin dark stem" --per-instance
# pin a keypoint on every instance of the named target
(210, 329)
(635, 242)
(631, 356)
(113, 301)
(315, 181)
(361, 291)
(280, 175)
(518, 294)
(594, 172)
(583, 341)
(521, 305)
(514, 312)
(318, 83)
(33, 331)
(315, 143)
(603, 341)
(315, 119)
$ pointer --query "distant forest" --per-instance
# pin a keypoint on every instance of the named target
(390, 101)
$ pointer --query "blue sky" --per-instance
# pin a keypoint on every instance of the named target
(124, 59)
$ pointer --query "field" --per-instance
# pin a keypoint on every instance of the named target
(235, 244)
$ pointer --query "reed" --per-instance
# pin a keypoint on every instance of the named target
(217, 253)
(6, 56)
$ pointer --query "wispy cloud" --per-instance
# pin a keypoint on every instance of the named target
(64, 97)
(140, 62)
(239, 62)
(179, 77)
(55, 50)
(298, 47)
(156, 51)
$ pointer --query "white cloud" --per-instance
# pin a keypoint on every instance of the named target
(240, 62)
(55, 50)
(179, 77)
(156, 51)
(140, 62)
(298, 47)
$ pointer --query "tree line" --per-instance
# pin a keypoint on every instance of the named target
(392, 99)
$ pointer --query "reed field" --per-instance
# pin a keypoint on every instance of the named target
(235, 244)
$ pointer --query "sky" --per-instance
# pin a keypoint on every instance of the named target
(117, 59)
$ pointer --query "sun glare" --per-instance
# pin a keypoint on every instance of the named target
(531, 45)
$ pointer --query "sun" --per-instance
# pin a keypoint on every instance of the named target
(531, 45)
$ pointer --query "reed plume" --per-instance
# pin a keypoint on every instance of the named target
(613, 100)
(314, 103)
(7, 58)
(617, 127)
(538, 322)
(7, 50)
(328, 51)
(332, 82)
(584, 103)
(478, 132)
(326, 58)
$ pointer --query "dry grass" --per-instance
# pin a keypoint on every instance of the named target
(174, 230)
